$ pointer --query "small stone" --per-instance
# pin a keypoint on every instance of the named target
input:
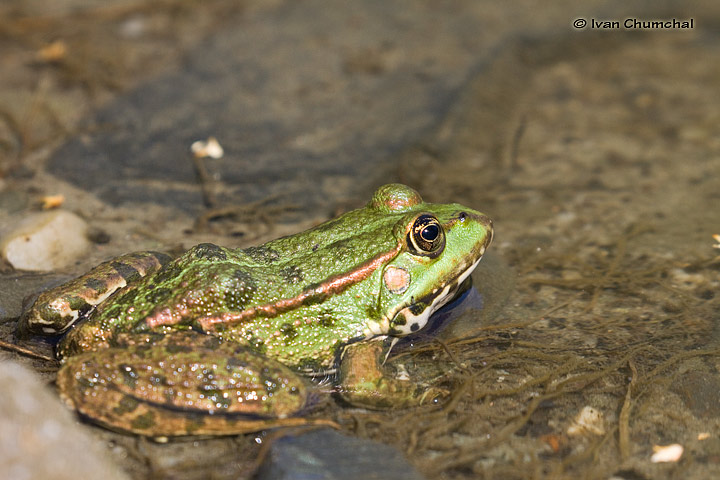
(588, 422)
(45, 241)
(209, 148)
(667, 453)
(327, 454)
(39, 437)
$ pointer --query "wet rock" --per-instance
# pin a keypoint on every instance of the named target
(326, 454)
(45, 241)
(38, 436)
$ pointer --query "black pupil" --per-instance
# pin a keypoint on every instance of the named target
(430, 233)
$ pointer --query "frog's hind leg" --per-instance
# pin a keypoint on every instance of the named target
(57, 309)
(183, 383)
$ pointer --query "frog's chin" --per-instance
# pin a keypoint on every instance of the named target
(415, 320)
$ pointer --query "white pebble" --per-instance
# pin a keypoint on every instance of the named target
(667, 453)
(207, 148)
(588, 421)
(45, 241)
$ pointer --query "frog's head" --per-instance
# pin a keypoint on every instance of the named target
(439, 245)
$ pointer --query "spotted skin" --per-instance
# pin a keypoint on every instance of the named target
(183, 335)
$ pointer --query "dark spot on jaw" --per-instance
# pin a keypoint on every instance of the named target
(414, 327)
(399, 320)
(417, 308)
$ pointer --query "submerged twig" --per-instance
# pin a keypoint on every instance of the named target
(206, 181)
(624, 420)
(24, 351)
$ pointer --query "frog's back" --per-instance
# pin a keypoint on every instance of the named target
(211, 287)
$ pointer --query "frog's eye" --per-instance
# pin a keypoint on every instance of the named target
(426, 236)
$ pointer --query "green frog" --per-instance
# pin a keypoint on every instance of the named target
(220, 341)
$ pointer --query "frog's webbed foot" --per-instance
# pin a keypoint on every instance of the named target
(185, 383)
(365, 383)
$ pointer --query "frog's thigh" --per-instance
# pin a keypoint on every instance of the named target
(175, 390)
(55, 310)
(364, 382)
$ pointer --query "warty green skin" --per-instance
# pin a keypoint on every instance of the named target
(209, 280)
(298, 300)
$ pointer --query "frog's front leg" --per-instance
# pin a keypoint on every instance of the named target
(364, 381)
(182, 383)
(57, 309)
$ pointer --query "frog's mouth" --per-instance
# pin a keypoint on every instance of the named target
(411, 317)
(417, 315)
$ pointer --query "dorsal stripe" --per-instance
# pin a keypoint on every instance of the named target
(313, 294)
